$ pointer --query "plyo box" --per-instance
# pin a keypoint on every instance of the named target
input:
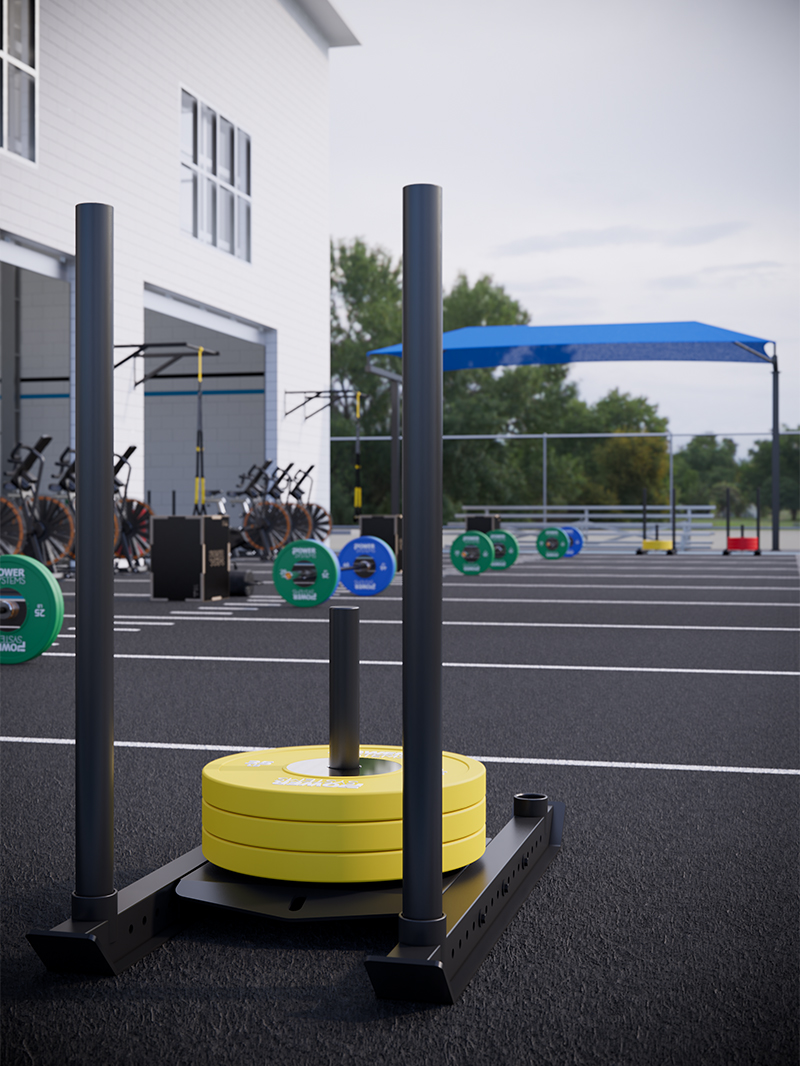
(190, 557)
(386, 527)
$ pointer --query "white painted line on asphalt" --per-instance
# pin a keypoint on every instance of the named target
(603, 764)
(627, 603)
(456, 666)
(135, 744)
(117, 630)
(590, 763)
(618, 585)
(122, 595)
(515, 625)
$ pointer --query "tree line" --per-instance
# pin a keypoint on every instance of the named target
(366, 313)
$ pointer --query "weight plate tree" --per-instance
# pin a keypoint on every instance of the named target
(306, 573)
(368, 566)
(31, 608)
(282, 813)
(552, 543)
(575, 538)
(506, 549)
(472, 552)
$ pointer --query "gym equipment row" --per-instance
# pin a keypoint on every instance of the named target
(447, 925)
(277, 509)
(475, 552)
(307, 573)
(43, 526)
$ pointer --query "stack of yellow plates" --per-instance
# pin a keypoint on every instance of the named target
(280, 813)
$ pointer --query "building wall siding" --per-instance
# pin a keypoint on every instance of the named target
(111, 73)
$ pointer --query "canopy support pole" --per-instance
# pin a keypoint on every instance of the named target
(544, 479)
(776, 460)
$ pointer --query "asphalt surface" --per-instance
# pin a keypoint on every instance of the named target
(657, 697)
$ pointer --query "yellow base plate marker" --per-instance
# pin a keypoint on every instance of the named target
(656, 545)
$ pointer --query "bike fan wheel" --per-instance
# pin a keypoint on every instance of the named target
(135, 529)
(321, 522)
(55, 530)
(12, 528)
(266, 527)
(300, 522)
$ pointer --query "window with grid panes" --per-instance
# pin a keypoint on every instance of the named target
(215, 178)
(18, 77)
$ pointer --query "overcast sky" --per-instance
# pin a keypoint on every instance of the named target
(623, 161)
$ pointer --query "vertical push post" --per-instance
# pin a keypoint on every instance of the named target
(727, 515)
(345, 690)
(422, 921)
(94, 897)
(395, 458)
(357, 488)
(776, 461)
(758, 519)
(173, 501)
(199, 462)
(544, 479)
(644, 514)
(674, 530)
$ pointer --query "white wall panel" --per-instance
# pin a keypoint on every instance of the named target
(109, 106)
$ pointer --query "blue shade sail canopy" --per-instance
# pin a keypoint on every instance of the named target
(487, 346)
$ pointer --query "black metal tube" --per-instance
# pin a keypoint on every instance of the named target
(644, 514)
(758, 518)
(94, 650)
(395, 457)
(727, 515)
(674, 538)
(345, 689)
(776, 461)
(422, 562)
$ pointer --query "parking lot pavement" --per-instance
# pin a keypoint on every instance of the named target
(664, 716)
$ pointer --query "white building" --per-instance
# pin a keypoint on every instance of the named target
(205, 125)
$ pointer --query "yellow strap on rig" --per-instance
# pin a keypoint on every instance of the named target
(200, 363)
(358, 405)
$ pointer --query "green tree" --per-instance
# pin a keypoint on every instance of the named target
(366, 312)
(756, 472)
(704, 469)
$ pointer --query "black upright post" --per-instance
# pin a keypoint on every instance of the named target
(674, 537)
(776, 461)
(727, 514)
(395, 457)
(345, 691)
(421, 921)
(758, 520)
(94, 897)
